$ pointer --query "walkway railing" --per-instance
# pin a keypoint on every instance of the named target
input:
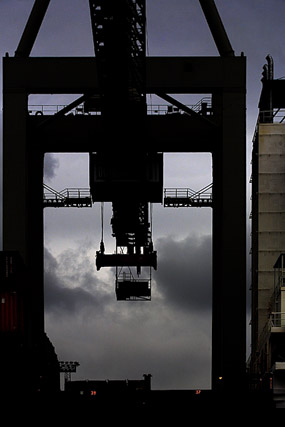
(186, 197)
(276, 115)
(69, 197)
(277, 319)
(204, 106)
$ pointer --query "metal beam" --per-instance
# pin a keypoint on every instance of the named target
(217, 27)
(85, 133)
(32, 28)
(171, 75)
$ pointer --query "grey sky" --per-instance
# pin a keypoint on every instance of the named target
(169, 337)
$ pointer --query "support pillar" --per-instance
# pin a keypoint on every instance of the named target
(229, 247)
(23, 232)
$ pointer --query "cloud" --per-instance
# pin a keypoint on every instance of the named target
(71, 287)
(182, 280)
(51, 164)
(184, 275)
(169, 337)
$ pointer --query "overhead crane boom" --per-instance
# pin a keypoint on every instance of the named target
(217, 27)
(129, 177)
(32, 28)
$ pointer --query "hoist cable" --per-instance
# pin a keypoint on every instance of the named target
(102, 221)
(150, 207)
(102, 247)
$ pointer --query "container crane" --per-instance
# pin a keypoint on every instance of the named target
(127, 176)
(113, 84)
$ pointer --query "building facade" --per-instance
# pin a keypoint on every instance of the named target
(268, 235)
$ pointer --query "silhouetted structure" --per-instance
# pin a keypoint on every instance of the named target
(268, 238)
(121, 392)
(121, 72)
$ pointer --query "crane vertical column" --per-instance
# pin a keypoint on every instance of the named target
(23, 232)
(229, 247)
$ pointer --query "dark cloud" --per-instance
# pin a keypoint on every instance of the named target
(72, 288)
(51, 164)
(183, 278)
(184, 275)
(169, 337)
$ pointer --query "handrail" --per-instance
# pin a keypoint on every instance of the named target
(272, 116)
(69, 197)
(162, 109)
(52, 109)
(67, 193)
(152, 109)
(75, 192)
(188, 193)
(277, 319)
(53, 192)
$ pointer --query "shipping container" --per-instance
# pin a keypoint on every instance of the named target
(11, 269)
(11, 312)
(136, 290)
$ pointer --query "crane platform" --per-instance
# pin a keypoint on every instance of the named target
(67, 198)
(185, 197)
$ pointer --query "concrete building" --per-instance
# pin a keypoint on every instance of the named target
(268, 233)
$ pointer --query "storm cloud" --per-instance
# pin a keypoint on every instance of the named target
(169, 337)
(185, 271)
(71, 286)
(51, 164)
(182, 280)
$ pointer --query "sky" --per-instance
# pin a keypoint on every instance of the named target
(169, 337)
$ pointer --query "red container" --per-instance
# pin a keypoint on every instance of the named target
(11, 318)
(11, 267)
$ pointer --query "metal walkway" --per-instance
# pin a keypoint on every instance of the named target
(185, 197)
(67, 198)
